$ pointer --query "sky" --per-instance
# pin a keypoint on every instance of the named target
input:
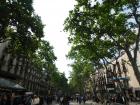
(53, 13)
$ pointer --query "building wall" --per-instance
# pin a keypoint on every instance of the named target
(133, 82)
(21, 70)
(119, 77)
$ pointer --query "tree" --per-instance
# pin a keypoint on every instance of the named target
(58, 81)
(81, 72)
(21, 25)
(103, 28)
(24, 29)
(44, 57)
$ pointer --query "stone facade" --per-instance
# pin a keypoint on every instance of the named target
(119, 77)
(21, 70)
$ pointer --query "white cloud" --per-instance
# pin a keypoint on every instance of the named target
(53, 13)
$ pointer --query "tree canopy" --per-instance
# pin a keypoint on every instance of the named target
(21, 25)
(24, 30)
(99, 30)
(81, 71)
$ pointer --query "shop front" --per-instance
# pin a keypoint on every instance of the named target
(10, 86)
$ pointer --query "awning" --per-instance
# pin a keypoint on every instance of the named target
(120, 78)
(7, 84)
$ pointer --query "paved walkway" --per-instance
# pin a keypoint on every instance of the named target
(75, 103)
(87, 103)
(94, 103)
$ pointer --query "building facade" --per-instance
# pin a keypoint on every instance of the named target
(118, 77)
(21, 70)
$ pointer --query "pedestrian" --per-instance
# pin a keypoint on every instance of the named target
(119, 99)
(61, 100)
(35, 100)
(84, 99)
(3, 99)
(97, 99)
(9, 101)
(79, 99)
(28, 100)
(66, 100)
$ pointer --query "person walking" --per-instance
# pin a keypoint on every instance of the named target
(27, 100)
(3, 99)
(84, 99)
(35, 100)
(79, 99)
(9, 101)
(119, 99)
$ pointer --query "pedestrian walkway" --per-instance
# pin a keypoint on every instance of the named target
(89, 102)
(134, 103)
(94, 103)
(53, 103)
(75, 103)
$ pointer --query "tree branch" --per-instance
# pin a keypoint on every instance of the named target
(138, 35)
(116, 43)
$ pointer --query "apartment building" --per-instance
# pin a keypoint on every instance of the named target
(119, 77)
(124, 76)
(20, 70)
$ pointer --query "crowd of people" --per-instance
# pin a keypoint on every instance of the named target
(118, 98)
(81, 99)
(63, 100)
(20, 99)
(28, 98)
(32, 99)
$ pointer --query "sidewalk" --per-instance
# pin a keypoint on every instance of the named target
(90, 102)
(134, 103)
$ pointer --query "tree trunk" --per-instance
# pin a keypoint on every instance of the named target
(134, 65)
(136, 70)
